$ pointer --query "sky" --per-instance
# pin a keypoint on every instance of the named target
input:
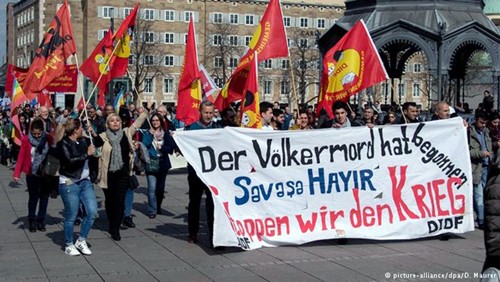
(3, 31)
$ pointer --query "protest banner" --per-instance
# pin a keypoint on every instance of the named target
(292, 187)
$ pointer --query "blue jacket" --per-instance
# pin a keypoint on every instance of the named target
(166, 149)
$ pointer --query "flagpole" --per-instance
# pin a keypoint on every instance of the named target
(80, 86)
(85, 102)
(292, 75)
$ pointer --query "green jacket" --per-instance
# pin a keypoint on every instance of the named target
(475, 151)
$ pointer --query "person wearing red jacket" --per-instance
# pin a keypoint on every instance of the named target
(34, 150)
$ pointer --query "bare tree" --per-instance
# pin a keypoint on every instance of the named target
(305, 60)
(146, 55)
(224, 49)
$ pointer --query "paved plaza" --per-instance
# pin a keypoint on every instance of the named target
(156, 250)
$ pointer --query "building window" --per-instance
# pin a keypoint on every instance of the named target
(401, 89)
(247, 40)
(131, 60)
(268, 64)
(217, 39)
(284, 87)
(107, 12)
(233, 40)
(169, 15)
(101, 33)
(169, 61)
(321, 24)
(219, 81)
(149, 37)
(287, 21)
(218, 62)
(126, 12)
(217, 18)
(303, 43)
(250, 19)
(417, 68)
(187, 16)
(149, 59)
(416, 89)
(233, 18)
(148, 14)
(268, 87)
(148, 85)
(285, 64)
(169, 38)
(233, 62)
(304, 22)
(168, 84)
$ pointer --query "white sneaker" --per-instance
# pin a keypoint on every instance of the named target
(82, 247)
(71, 251)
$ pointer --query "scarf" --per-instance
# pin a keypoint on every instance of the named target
(157, 140)
(158, 135)
(116, 161)
(41, 148)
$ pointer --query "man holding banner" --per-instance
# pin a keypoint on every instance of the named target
(196, 185)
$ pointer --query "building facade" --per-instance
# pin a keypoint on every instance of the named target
(223, 29)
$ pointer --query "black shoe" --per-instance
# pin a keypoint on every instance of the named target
(152, 216)
(78, 222)
(40, 225)
(192, 239)
(116, 237)
(127, 221)
(32, 225)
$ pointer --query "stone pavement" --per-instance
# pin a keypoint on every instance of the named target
(156, 250)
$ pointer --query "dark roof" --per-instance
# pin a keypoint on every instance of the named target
(423, 14)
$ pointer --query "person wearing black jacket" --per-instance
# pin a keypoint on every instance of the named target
(341, 119)
(492, 215)
(75, 185)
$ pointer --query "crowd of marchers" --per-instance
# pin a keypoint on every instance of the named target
(68, 154)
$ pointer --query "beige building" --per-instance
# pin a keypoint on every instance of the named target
(220, 25)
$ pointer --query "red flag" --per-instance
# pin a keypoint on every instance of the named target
(81, 104)
(189, 96)
(350, 66)
(50, 57)
(269, 41)
(250, 109)
(122, 38)
(66, 82)
(97, 66)
(44, 99)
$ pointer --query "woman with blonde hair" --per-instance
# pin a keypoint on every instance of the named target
(116, 167)
(74, 183)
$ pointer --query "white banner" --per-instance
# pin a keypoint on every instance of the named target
(292, 187)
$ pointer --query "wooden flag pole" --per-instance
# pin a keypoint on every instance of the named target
(80, 86)
(85, 102)
(292, 75)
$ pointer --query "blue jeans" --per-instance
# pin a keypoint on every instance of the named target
(129, 202)
(156, 190)
(478, 196)
(71, 196)
(37, 193)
